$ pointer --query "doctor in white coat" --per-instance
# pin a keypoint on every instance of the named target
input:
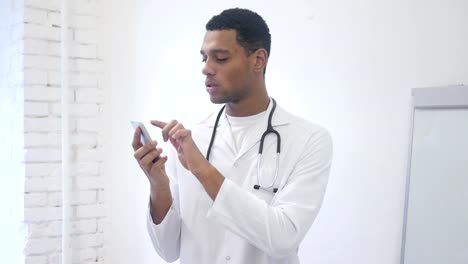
(215, 199)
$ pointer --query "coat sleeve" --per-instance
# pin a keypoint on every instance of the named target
(166, 235)
(279, 227)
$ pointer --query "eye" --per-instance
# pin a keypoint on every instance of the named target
(221, 60)
(203, 59)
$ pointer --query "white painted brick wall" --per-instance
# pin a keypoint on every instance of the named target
(85, 51)
(42, 93)
(36, 140)
(37, 260)
(35, 77)
(84, 226)
(86, 168)
(42, 124)
(89, 96)
(88, 183)
(42, 184)
(51, 5)
(42, 169)
(45, 229)
(87, 240)
(36, 109)
(42, 62)
(39, 246)
(36, 199)
(83, 197)
(41, 32)
(39, 214)
(83, 255)
(42, 130)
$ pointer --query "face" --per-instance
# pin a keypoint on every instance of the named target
(227, 67)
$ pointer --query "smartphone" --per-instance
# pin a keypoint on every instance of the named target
(145, 136)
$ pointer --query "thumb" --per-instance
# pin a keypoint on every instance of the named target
(161, 161)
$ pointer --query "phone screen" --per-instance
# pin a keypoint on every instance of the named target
(145, 137)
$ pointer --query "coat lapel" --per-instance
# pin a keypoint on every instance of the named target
(223, 132)
(223, 135)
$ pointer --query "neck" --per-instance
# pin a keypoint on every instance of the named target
(249, 106)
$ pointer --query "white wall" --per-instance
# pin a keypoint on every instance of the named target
(348, 65)
(11, 141)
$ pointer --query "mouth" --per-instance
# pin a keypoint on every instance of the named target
(211, 86)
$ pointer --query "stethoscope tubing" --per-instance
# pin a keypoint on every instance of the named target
(269, 130)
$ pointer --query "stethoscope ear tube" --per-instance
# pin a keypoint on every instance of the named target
(269, 130)
(214, 133)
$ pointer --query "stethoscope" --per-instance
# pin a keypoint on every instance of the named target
(269, 130)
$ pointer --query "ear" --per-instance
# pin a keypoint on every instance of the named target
(261, 59)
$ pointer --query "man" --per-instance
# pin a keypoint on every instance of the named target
(232, 205)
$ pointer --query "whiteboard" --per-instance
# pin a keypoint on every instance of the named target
(436, 208)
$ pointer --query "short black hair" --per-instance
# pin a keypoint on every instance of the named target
(252, 31)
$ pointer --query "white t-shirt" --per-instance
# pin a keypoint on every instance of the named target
(241, 126)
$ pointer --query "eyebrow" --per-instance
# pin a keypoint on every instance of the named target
(215, 51)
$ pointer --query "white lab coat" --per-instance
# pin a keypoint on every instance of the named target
(244, 225)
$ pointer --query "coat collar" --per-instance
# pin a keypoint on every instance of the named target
(280, 118)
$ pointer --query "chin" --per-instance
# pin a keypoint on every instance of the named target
(217, 100)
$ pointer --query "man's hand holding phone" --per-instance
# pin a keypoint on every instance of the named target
(148, 155)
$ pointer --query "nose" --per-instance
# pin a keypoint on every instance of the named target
(207, 69)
